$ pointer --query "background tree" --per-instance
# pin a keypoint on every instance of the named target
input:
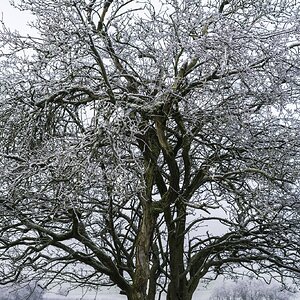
(250, 290)
(150, 145)
(29, 291)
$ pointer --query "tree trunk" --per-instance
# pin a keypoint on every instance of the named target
(143, 244)
(136, 295)
(177, 294)
(178, 286)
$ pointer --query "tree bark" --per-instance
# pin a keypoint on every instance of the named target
(143, 245)
(178, 286)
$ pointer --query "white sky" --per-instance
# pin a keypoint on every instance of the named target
(13, 18)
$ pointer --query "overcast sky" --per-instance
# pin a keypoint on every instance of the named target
(14, 18)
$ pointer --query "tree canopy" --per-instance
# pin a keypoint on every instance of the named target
(150, 144)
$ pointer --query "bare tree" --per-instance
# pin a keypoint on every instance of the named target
(29, 291)
(250, 290)
(150, 144)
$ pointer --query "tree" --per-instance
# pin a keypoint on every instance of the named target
(250, 290)
(130, 130)
(31, 291)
